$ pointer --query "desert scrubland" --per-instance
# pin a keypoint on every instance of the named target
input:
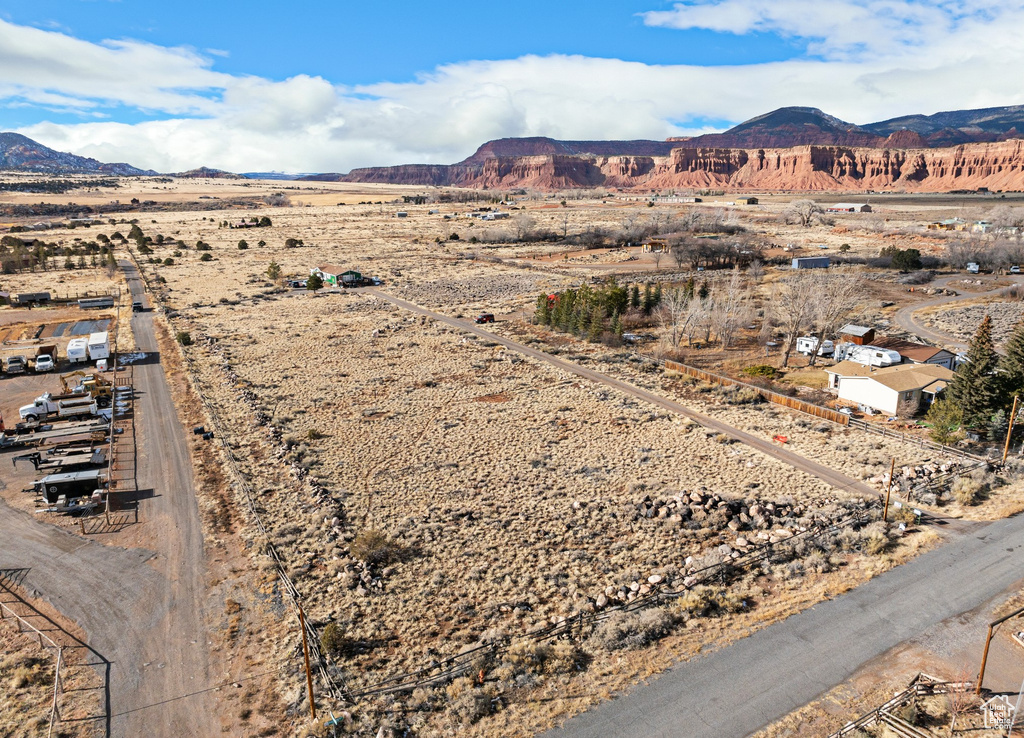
(430, 490)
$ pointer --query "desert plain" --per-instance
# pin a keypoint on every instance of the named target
(430, 489)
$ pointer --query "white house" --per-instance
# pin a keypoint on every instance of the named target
(904, 389)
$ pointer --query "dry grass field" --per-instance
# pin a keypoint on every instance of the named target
(430, 490)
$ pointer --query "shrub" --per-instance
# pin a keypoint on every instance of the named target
(761, 370)
(313, 434)
(559, 657)
(333, 640)
(374, 547)
(243, 245)
(206, 257)
(624, 631)
(168, 262)
(745, 396)
(704, 601)
(875, 539)
(967, 490)
(184, 338)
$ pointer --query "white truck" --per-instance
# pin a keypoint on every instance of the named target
(78, 350)
(868, 355)
(62, 406)
(99, 346)
(15, 365)
(973, 267)
(806, 345)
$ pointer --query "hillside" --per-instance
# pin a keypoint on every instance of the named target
(22, 154)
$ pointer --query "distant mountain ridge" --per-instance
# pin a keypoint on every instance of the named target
(548, 163)
(22, 154)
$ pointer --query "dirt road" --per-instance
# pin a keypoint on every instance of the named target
(142, 609)
(904, 317)
(824, 473)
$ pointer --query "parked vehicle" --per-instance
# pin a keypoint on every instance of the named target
(92, 384)
(868, 355)
(973, 268)
(71, 484)
(806, 345)
(62, 406)
(86, 303)
(99, 346)
(78, 350)
(137, 306)
(484, 318)
(15, 365)
(46, 358)
(1015, 269)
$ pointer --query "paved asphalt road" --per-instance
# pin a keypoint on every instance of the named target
(142, 608)
(757, 680)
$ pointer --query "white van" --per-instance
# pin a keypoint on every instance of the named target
(99, 346)
(78, 350)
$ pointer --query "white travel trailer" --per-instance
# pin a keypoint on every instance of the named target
(99, 346)
(868, 355)
(78, 350)
(806, 345)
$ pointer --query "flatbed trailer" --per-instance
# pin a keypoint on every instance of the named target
(94, 433)
(54, 464)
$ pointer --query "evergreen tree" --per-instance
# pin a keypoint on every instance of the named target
(314, 282)
(975, 387)
(648, 302)
(945, 418)
(689, 288)
(542, 316)
(657, 294)
(1011, 365)
(634, 297)
(617, 325)
(595, 326)
(704, 291)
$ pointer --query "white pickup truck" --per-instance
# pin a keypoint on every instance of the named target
(47, 406)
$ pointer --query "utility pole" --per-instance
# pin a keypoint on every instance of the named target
(1009, 430)
(988, 640)
(888, 491)
(305, 654)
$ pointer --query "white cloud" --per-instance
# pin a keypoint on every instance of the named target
(861, 29)
(949, 57)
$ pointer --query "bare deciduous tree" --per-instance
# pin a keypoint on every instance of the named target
(756, 271)
(804, 212)
(522, 224)
(674, 314)
(834, 296)
(730, 308)
(793, 303)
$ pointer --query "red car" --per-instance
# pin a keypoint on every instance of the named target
(484, 318)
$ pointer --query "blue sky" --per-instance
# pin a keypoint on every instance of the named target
(319, 86)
